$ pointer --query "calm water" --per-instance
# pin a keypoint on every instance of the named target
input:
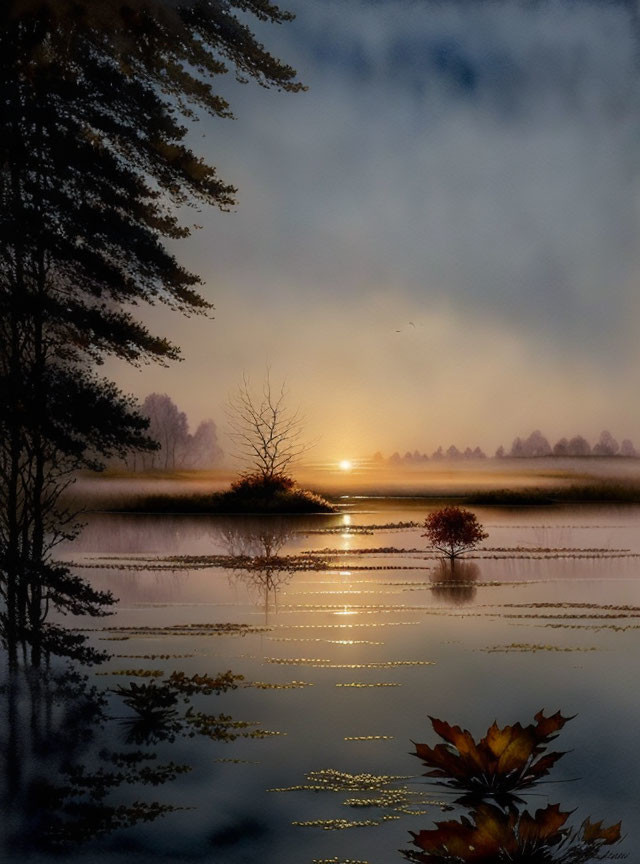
(371, 638)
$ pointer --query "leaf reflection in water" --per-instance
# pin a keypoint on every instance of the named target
(491, 835)
(501, 830)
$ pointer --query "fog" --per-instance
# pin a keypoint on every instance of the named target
(446, 478)
(438, 241)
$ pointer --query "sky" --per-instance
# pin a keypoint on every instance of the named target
(436, 243)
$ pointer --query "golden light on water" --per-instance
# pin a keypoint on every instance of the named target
(345, 465)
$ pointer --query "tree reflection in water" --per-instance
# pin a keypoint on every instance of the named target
(71, 752)
(70, 757)
(260, 567)
(454, 581)
(497, 828)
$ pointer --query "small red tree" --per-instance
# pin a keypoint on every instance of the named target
(453, 531)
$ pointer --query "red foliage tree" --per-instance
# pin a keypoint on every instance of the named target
(453, 531)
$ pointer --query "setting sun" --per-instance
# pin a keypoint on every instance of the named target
(345, 465)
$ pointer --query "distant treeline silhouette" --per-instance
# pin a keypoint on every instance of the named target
(537, 445)
(534, 446)
(177, 447)
(416, 457)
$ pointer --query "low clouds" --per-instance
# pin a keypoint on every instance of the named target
(474, 165)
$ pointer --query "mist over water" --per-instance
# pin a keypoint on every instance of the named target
(369, 478)
(349, 632)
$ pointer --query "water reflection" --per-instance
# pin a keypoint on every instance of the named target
(60, 776)
(497, 828)
(454, 581)
(250, 539)
(155, 708)
(256, 549)
(167, 535)
(493, 835)
(71, 753)
(355, 772)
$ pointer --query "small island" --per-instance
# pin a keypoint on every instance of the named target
(268, 441)
(251, 494)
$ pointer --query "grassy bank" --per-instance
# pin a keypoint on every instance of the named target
(248, 496)
(216, 491)
(603, 492)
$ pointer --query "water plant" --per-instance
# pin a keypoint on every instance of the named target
(505, 760)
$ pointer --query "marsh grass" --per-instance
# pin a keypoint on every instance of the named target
(287, 502)
(598, 492)
(247, 495)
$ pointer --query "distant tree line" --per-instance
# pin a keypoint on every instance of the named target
(416, 457)
(177, 447)
(532, 447)
(537, 445)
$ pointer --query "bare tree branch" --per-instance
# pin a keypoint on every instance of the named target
(266, 432)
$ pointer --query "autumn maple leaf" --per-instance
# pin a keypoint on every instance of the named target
(503, 761)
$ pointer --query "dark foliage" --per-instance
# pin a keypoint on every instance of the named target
(96, 102)
(277, 493)
(253, 494)
(453, 531)
(621, 492)
(257, 484)
(64, 784)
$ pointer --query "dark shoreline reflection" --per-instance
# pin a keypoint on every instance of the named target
(71, 753)
(61, 777)
(497, 827)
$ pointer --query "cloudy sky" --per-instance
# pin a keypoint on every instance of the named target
(471, 167)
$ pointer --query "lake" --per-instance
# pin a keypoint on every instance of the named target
(349, 634)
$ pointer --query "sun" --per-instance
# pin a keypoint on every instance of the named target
(345, 465)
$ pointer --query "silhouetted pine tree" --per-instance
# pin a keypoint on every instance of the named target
(93, 165)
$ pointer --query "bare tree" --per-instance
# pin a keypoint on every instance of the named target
(266, 432)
